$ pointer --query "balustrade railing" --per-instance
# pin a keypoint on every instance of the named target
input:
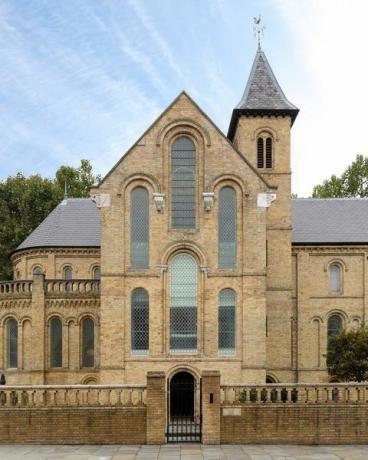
(72, 286)
(330, 393)
(15, 287)
(72, 395)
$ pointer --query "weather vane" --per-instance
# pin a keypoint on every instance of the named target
(258, 29)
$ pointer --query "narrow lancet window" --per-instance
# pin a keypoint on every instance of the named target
(183, 275)
(12, 345)
(260, 153)
(183, 184)
(335, 278)
(140, 321)
(227, 226)
(226, 322)
(268, 152)
(139, 228)
(56, 343)
(88, 343)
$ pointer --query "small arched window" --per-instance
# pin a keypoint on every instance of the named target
(68, 273)
(56, 343)
(264, 152)
(139, 228)
(96, 273)
(37, 270)
(334, 325)
(227, 223)
(335, 278)
(12, 342)
(88, 342)
(183, 274)
(183, 184)
(140, 321)
(226, 322)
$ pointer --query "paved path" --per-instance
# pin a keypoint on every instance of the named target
(183, 452)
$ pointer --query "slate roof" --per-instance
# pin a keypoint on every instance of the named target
(262, 96)
(330, 220)
(74, 222)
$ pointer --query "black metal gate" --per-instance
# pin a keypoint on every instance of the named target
(184, 421)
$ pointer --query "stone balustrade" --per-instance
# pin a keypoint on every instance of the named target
(79, 286)
(299, 393)
(16, 288)
(37, 396)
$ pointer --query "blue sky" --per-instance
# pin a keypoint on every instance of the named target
(84, 79)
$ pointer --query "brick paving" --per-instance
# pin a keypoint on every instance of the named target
(183, 452)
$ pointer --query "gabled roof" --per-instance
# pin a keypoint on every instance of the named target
(330, 220)
(262, 96)
(75, 222)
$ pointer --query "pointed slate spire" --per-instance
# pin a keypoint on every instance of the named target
(263, 95)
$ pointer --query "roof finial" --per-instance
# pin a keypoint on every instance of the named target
(258, 30)
(65, 190)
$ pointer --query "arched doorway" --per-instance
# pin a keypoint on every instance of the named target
(184, 404)
(182, 391)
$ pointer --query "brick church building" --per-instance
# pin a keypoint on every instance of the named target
(190, 256)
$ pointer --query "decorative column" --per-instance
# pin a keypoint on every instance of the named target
(38, 360)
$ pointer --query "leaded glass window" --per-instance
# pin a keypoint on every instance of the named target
(12, 348)
(268, 152)
(183, 183)
(335, 278)
(56, 343)
(140, 321)
(227, 228)
(97, 273)
(68, 273)
(139, 228)
(260, 153)
(226, 322)
(334, 325)
(88, 343)
(183, 276)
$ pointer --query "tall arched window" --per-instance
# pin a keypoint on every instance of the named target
(260, 153)
(139, 228)
(226, 322)
(56, 343)
(268, 152)
(227, 228)
(96, 273)
(183, 276)
(183, 183)
(12, 342)
(140, 321)
(68, 273)
(335, 278)
(88, 342)
(334, 325)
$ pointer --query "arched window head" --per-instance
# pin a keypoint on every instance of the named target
(227, 228)
(139, 228)
(183, 274)
(183, 184)
(334, 325)
(335, 278)
(226, 322)
(139, 321)
(88, 342)
(12, 342)
(56, 343)
(264, 151)
(37, 270)
(96, 273)
(68, 273)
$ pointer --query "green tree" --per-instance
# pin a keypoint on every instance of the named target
(347, 356)
(353, 182)
(26, 201)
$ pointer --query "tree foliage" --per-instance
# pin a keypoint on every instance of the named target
(347, 356)
(353, 182)
(26, 201)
